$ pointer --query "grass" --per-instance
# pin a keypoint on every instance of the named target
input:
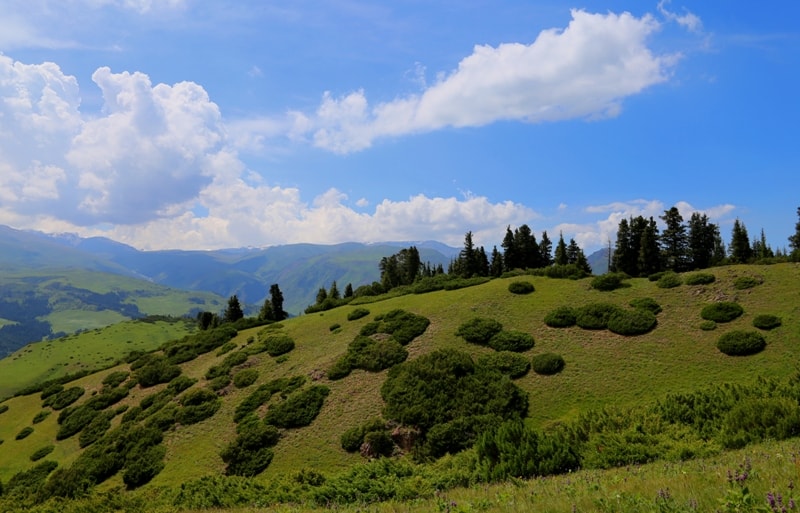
(601, 369)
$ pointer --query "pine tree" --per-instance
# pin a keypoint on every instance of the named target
(334, 292)
(740, 249)
(702, 240)
(621, 261)
(234, 310)
(322, 295)
(469, 258)
(511, 259)
(527, 247)
(546, 250)
(496, 264)
(649, 261)
(561, 251)
(348, 290)
(674, 241)
(276, 300)
(794, 240)
(572, 252)
(482, 262)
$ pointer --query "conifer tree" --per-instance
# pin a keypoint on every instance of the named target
(794, 240)
(276, 301)
(702, 241)
(649, 261)
(496, 264)
(234, 310)
(348, 290)
(740, 249)
(561, 251)
(334, 292)
(674, 241)
(546, 250)
(511, 258)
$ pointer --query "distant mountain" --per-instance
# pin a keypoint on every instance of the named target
(599, 261)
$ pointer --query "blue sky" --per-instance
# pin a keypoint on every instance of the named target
(199, 125)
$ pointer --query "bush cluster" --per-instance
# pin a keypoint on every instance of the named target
(299, 409)
(401, 325)
(251, 452)
(197, 405)
(511, 340)
(245, 378)
(508, 363)
(278, 344)
(646, 303)
(3, 408)
(95, 429)
(561, 317)
(741, 343)
(548, 363)
(201, 342)
(723, 311)
(745, 282)
(64, 398)
(24, 433)
(228, 363)
(42, 452)
(708, 325)
(352, 439)
(520, 287)
(479, 330)
(41, 416)
(115, 379)
(263, 393)
(766, 321)
(594, 316)
(608, 282)
(155, 370)
(358, 313)
(669, 280)
(632, 322)
(699, 279)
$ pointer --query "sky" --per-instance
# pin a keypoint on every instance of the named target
(198, 124)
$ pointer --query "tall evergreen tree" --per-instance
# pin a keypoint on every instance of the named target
(702, 240)
(496, 264)
(234, 310)
(740, 249)
(649, 261)
(527, 247)
(348, 290)
(794, 240)
(511, 257)
(572, 252)
(334, 292)
(674, 241)
(469, 258)
(761, 249)
(561, 257)
(276, 300)
(546, 250)
(623, 260)
(482, 262)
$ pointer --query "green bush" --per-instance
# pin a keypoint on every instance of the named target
(669, 280)
(745, 282)
(3, 408)
(520, 287)
(179, 384)
(62, 399)
(358, 313)
(594, 316)
(508, 363)
(115, 379)
(197, 405)
(27, 483)
(657, 276)
(561, 317)
(24, 433)
(299, 409)
(607, 282)
(379, 443)
(42, 452)
(516, 341)
(334, 327)
(699, 279)
(403, 326)
(41, 416)
(352, 439)
(226, 348)
(708, 325)
(51, 389)
(157, 370)
(760, 418)
(220, 382)
(723, 311)
(741, 343)
(95, 429)
(245, 378)
(141, 468)
(631, 322)
(479, 330)
(277, 344)
(375, 355)
(250, 453)
(340, 369)
(264, 392)
(646, 303)
(548, 363)
(766, 321)
(75, 419)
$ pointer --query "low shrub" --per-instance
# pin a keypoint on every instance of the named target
(299, 409)
(699, 279)
(358, 313)
(157, 370)
(51, 389)
(516, 341)
(403, 326)
(24, 433)
(756, 419)
(375, 355)
(594, 316)
(179, 384)
(75, 419)
(3, 408)
(607, 282)
(41, 416)
(62, 399)
(708, 325)
(141, 468)
(263, 393)
(766, 321)
(479, 330)
(197, 405)
(741, 343)
(646, 303)
(352, 439)
(509, 363)
(632, 322)
(378, 443)
(95, 429)
(340, 369)
(277, 345)
(520, 287)
(115, 379)
(42, 452)
(219, 382)
(245, 378)
(250, 453)
(334, 327)
(723, 311)
(669, 280)
(561, 317)
(745, 282)
(226, 348)
(548, 363)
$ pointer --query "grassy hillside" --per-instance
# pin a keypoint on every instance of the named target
(602, 368)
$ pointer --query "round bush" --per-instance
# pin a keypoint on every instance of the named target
(219, 382)
(561, 317)
(506, 362)
(741, 343)
(41, 453)
(548, 364)
(520, 287)
(479, 330)
(24, 433)
(632, 322)
(334, 327)
(357, 314)
(668, 281)
(245, 378)
(278, 344)
(766, 321)
(646, 303)
(745, 282)
(41, 416)
(340, 369)
(708, 325)
(724, 311)
(607, 282)
(700, 279)
(516, 341)
(595, 316)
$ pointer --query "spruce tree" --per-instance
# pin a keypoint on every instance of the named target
(794, 240)
(234, 310)
(496, 264)
(702, 240)
(674, 241)
(561, 251)
(546, 250)
(740, 249)
(348, 290)
(334, 292)
(511, 259)
(649, 261)
(276, 300)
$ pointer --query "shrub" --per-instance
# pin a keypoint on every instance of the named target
(657, 276)
(766, 321)
(144, 466)
(115, 379)
(74, 420)
(352, 439)
(594, 316)
(26, 431)
(646, 303)
(219, 382)
(479, 330)
(197, 405)
(520, 287)
(62, 399)
(95, 429)
(245, 378)
(28, 482)
(708, 325)
(403, 326)
(340, 369)
(3, 408)
(263, 393)
(668, 281)
(250, 453)
(632, 322)
(723, 311)
(41, 416)
(511, 364)
(179, 384)
(375, 355)
(226, 348)
(741, 343)
(277, 345)
(157, 370)
(379, 443)
(51, 389)
(516, 341)
(42, 452)
(357, 314)
(334, 327)
(699, 279)
(745, 282)
(760, 418)
(561, 317)
(607, 282)
(548, 363)
(299, 409)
